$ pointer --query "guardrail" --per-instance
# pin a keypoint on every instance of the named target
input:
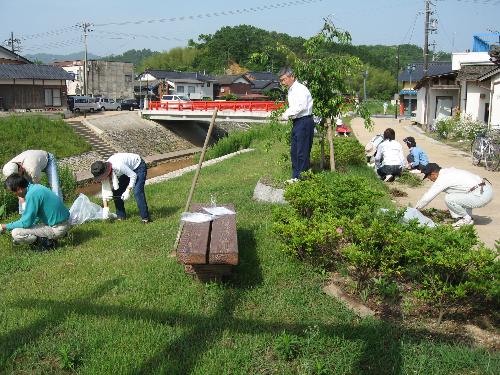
(250, 106)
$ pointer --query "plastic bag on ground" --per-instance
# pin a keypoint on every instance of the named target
(83, 210)
(412, 213)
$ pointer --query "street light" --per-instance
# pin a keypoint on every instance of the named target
(410, 68)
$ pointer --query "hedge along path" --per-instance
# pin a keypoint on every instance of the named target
(486, 219)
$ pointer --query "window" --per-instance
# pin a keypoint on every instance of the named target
(190, 89)
(180, 89)
(53, 97)
(208, 84)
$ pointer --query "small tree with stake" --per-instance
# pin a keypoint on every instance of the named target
(327, 75)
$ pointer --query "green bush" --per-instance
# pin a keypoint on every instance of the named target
(462, 128)
(333, 220)
(348, 152)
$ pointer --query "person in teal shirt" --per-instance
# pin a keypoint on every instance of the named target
(45, 218)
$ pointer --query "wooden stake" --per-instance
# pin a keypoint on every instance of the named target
(329, 135)
(195, 179)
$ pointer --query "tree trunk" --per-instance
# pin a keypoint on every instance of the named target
(322, 150)
(329, 135)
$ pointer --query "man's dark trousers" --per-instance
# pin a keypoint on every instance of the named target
(301, 143)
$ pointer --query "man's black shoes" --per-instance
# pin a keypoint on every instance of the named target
(43, 244)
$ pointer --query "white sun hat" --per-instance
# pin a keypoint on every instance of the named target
(9, 169)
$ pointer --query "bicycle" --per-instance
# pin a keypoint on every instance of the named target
(485, 147)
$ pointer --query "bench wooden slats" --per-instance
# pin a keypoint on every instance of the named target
(193, 243)
(223, 241)
(209, 250)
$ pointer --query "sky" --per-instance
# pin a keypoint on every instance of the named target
(117, 26)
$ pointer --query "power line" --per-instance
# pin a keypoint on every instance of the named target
(140, 36)
(50, 33)
(215, 14)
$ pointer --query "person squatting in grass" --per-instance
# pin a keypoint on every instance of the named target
(42, 206)
(389, 159)
(121, 173)
(31, 164)
(464, 191)
(300, 109)
(417, 158)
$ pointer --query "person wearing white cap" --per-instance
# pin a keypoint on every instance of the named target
(31, 164)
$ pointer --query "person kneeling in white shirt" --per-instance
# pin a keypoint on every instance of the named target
(464, 191)
(389, 159)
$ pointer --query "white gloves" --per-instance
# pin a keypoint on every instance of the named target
(105, 213)
(126, 194)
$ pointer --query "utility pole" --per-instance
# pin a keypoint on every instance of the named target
(11, 42)
(426, 36)
(86, 29)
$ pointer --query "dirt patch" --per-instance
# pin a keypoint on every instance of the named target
(395, 192)
(461, 323)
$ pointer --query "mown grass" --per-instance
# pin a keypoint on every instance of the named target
(111, 300)
(24, 132)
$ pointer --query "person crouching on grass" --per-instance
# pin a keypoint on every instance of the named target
(45, 218)
(121, 173)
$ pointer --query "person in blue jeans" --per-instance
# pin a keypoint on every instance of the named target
(300, 111)
(417, 159)
(119, 175)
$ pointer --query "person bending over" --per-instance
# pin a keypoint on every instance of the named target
(389, 159)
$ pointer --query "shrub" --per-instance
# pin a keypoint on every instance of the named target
(463, 128)
(333, 193)
(348, 152)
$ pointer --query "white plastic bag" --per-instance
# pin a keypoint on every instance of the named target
(83, 210)
(412, 213)
(196, 217)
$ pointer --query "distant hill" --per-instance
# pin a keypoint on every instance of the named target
(47, 58)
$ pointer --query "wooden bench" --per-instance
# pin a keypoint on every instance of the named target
(209, 250)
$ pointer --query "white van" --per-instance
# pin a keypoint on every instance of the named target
(84, 104)
(106, 104)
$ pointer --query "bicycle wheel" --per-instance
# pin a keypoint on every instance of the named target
(492, 157)
(475, 151)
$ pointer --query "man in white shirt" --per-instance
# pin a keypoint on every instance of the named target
(300, 109)
(121, 173)
(464, 191)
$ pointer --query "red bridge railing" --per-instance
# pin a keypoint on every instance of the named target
(250, 106)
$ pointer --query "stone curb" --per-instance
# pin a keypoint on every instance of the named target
(180, 172)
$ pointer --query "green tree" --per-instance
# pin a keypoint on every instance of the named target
(237, 44)
(328, 76)
(134, 56)
(179, 58)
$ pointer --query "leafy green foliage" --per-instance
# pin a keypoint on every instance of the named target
(287, 346)
(410, 179)
(134, 56)
(348, 152)
(236, 44)
(461, 128)
(179, 58)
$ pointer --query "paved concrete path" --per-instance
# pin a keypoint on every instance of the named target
(486, 219)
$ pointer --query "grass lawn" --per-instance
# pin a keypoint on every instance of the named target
(35, 132)
(111, 300)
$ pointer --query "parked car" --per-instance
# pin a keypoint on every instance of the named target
(106, 104)
(80, 103)
(176, 101)
(129, 104)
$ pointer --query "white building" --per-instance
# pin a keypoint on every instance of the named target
(194, 85)
(111, 79)
(494, 108)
